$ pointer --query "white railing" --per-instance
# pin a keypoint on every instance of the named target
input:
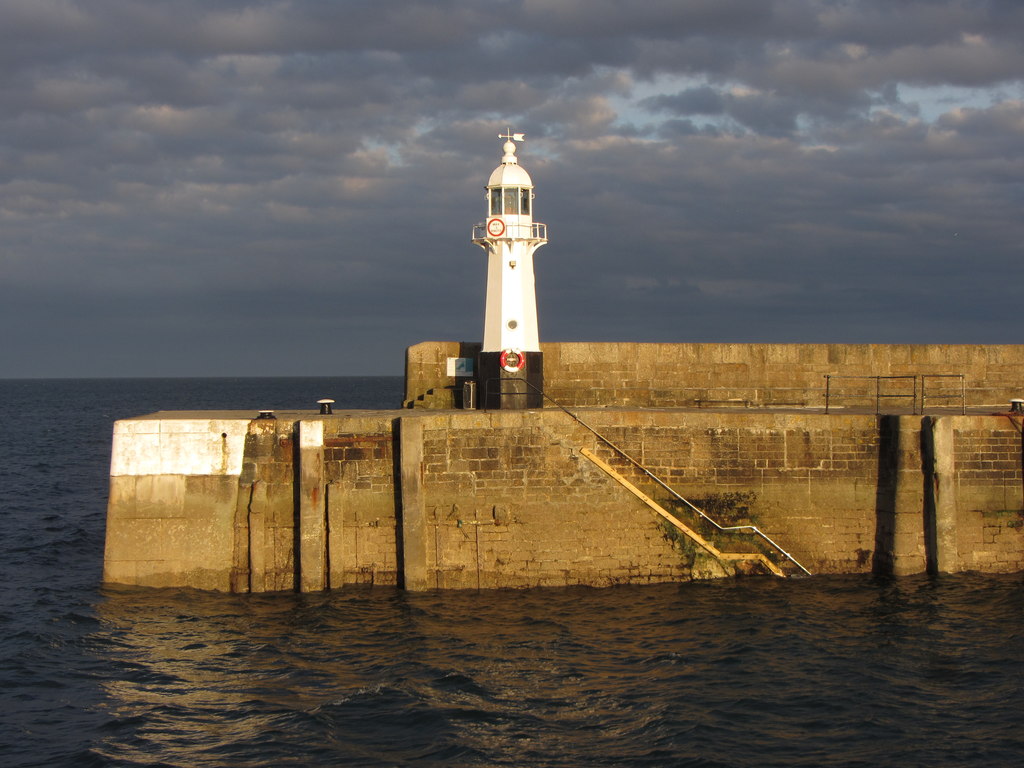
(533, 231)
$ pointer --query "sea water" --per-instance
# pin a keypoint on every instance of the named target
(821, 671)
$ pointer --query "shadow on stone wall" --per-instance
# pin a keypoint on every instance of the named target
(883, 560)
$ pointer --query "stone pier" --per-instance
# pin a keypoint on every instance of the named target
(462, 499)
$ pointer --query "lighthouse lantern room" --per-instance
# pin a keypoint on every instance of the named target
(510, 369)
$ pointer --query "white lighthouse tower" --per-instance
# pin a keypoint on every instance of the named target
(510, 369)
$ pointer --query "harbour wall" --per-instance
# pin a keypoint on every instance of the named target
(468, 499)
(757, 375)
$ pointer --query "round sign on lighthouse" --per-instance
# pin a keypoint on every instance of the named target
(510, 236)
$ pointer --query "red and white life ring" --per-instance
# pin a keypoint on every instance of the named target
(495, 227)
(512, 360)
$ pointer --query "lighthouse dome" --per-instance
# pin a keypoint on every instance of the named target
(509, 175)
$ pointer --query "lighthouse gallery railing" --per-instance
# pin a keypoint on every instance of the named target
(533, 231)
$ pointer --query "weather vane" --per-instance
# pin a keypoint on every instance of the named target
(511, 136)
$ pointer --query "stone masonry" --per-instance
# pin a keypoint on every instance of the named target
(729, 375)
(466, 499)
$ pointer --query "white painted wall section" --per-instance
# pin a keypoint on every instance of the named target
(178, 447)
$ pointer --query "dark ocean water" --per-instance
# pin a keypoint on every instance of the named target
(824, 671)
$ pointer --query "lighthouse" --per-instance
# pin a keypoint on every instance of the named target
(510, 368)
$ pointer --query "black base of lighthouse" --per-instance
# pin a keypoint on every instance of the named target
(498, 389)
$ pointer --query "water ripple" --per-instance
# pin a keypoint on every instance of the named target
(826, 671)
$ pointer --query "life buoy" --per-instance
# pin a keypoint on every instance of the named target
(512, 360)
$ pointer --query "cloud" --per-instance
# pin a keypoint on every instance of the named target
(227, 179)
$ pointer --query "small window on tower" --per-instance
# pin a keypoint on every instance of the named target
(511, 201)
(524, 204)
(495, 202)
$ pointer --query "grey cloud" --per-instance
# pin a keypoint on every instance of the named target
(693, 101)
(655, 18)
(193, 187)
(764, 114)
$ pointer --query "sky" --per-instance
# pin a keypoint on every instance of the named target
(234, 188)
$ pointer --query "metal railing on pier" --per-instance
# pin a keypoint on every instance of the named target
(881, 393)
(961, 395)
(496, 387)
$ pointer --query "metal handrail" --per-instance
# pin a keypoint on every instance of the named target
(963, 389)
(749, 528)
(878, 389)
(913, 377)
(503, 392)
